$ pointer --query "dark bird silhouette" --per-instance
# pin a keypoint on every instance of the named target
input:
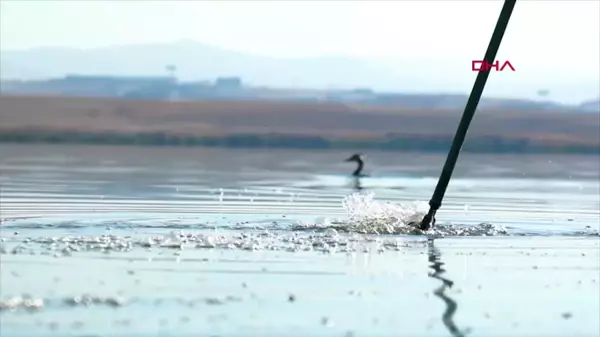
(357, 174)
(359, 160)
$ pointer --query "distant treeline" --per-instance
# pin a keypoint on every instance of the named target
(425, 143)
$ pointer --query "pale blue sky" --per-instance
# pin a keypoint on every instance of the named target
(557, 39)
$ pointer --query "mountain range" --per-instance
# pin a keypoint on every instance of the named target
(196, 61)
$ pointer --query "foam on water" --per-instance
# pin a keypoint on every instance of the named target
(329, 241)
(366, 215)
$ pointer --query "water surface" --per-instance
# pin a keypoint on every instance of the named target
(217, 242)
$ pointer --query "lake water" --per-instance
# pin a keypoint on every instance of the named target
(125, 241)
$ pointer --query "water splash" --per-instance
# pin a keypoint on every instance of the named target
(370, 216)
(367, 215)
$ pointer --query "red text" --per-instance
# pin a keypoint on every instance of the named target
(485, 66)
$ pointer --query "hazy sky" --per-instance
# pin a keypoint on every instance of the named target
(556, 38)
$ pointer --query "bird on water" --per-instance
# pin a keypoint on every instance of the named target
(359, 160)
(357, 174)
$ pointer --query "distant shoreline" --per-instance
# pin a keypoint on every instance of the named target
(288, 125)
(281, 141)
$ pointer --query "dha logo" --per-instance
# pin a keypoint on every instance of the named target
(485, 66)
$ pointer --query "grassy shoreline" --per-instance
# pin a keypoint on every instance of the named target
(301, 125)
(420, 143)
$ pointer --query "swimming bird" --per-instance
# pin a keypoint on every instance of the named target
(358, 158)
(357, 174)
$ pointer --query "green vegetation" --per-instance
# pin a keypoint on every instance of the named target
(424, 143)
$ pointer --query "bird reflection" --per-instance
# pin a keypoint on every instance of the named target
(451, 305)
(356, 184)
(357, 174)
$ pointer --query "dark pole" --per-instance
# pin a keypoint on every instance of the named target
(490, 55)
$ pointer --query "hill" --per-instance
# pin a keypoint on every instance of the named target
(421, 79)
(194, 61)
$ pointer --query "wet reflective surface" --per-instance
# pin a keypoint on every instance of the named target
(184, 242)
